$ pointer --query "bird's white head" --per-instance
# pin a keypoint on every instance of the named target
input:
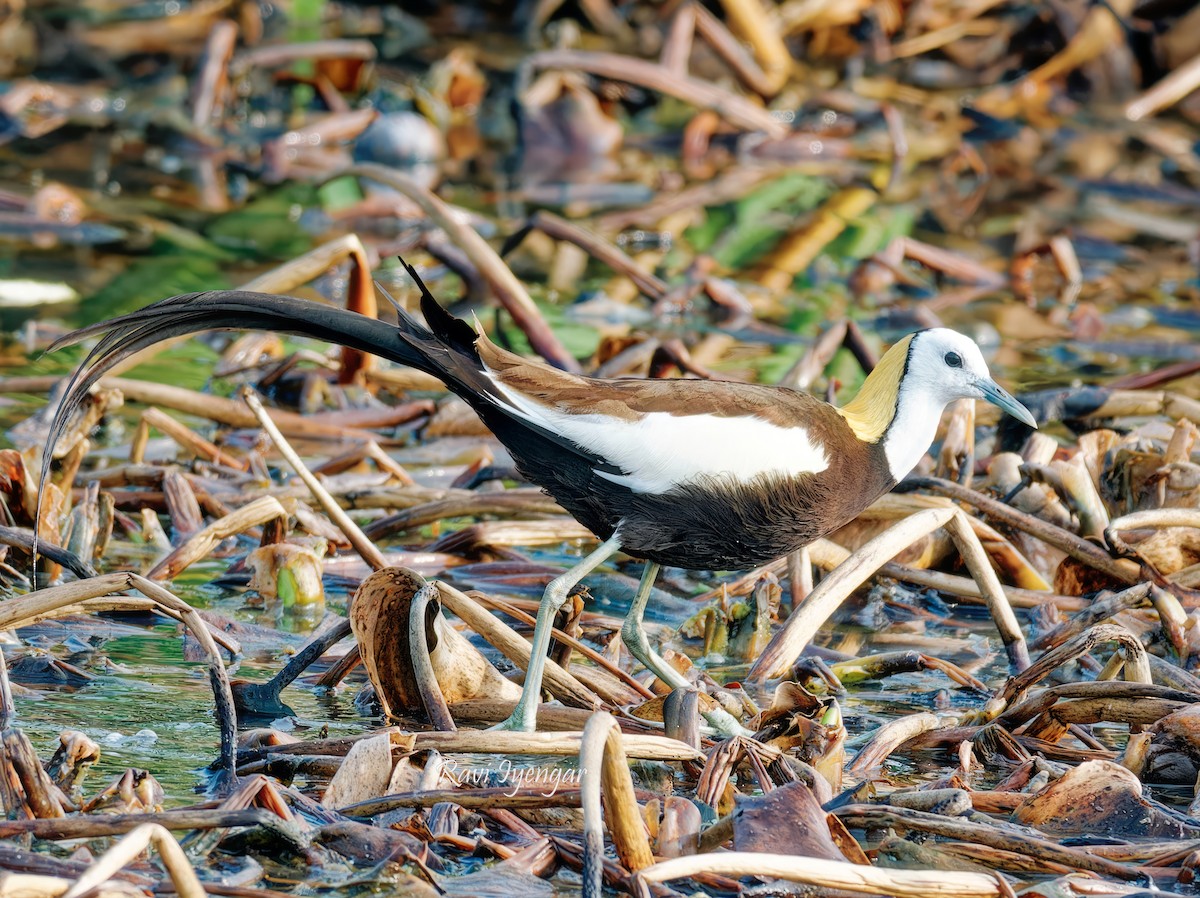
(945, 365)
(902, 401)
(942, 366)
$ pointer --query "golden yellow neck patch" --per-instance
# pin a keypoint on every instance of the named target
(872, 410)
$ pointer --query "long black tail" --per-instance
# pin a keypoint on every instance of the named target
(447, 351)
(242, 310)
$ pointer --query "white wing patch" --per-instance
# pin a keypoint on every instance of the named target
(661, 451)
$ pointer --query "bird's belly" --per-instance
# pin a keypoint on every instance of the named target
(715, 525)
(710, 523)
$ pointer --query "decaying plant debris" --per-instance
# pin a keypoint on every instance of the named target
(1001, 697)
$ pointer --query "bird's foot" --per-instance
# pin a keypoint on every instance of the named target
(517, 722)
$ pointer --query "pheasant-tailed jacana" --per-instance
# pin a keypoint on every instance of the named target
(696, 474)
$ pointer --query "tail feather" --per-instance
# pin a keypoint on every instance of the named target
(446, 349)
(408, 343)
(243, 310)
(453, 331)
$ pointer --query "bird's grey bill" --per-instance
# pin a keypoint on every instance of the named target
(998, 396)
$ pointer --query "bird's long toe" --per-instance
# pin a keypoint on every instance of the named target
(517, 722)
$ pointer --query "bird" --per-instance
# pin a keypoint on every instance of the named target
(684, 473)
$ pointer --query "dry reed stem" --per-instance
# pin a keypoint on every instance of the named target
(509, 643)
(208, 90)
(179, 868)
(430, 690)
(799, 248)
(386, 463)
(528, 798)
(1078, 548)
(751, 20)
(250, 515)
(695, 20)
(736, 110)
(360, 292)
(1008, 559)
(978, 832)
(989, 584)
(731, 185)
(830, 875)
(304, 268)
(888, 738)
(602, 250)
(229, 411)
(188, 439)
(564, 744)
(827, 555)
(604, 768)
(1100, 31)
(365, 548)
(1156, 518)
(126, 603)
(786, 645)
(940, 37)
(1100, 609)
(576, 645)
(507, 287)
(1137, 663)
(1170, 90)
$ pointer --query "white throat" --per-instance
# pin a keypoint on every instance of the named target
(918, 413)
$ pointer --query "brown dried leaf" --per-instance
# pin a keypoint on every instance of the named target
(1174, 752)
(364, 774)
(1099, 798)
(380, 620)
(787, 820)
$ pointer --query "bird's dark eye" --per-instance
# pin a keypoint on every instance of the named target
(954, 360)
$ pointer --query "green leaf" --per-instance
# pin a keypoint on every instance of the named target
(703, 236)
(764, 217)
(872, 233)
(340, 193)
(268, 227)
(791, 192)
(150, 279)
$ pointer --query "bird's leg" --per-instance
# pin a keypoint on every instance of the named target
(633, 634)
(524, 716)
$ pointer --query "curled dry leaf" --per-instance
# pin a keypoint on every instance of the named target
(292, 572)
(811, 728)
(1174, 752)
(1100, 798)
(1168, 550)
(673, 826)
(133, 792)
(72, 760)
(380, 620)
(790, 820)
(365, 773)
